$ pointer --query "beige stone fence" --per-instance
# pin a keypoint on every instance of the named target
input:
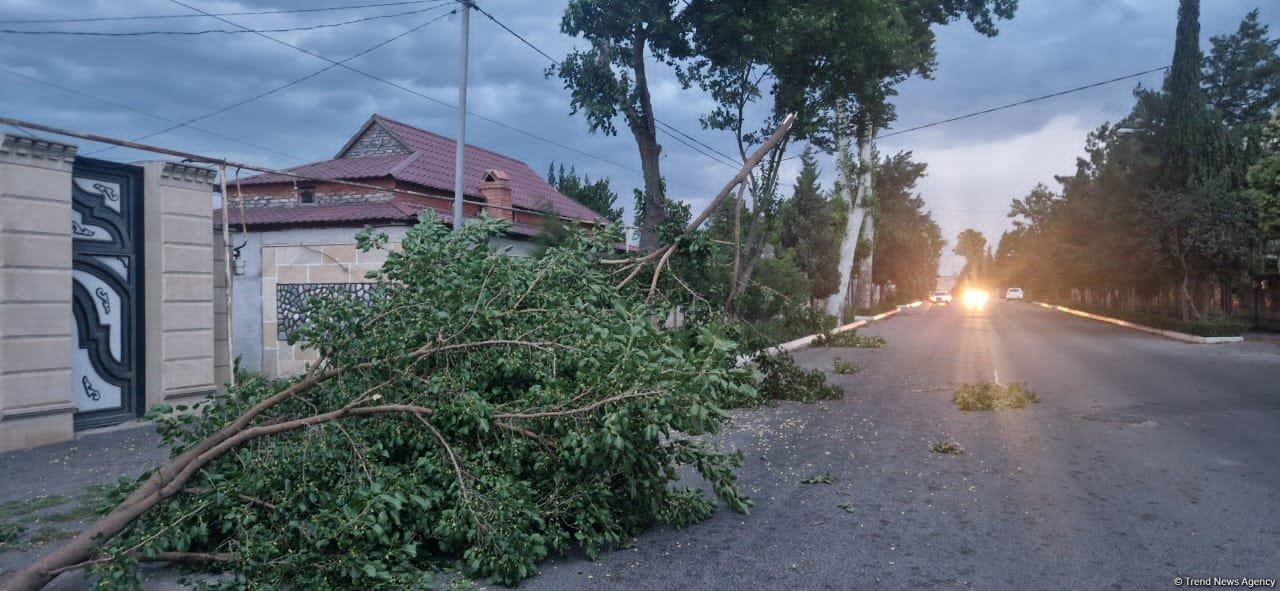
(159, 328)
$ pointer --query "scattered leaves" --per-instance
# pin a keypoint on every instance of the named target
(849, 338)
(819, 479)
(848, 507)
(843, 367)
(946, 447)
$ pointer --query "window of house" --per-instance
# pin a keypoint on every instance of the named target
(307, 195)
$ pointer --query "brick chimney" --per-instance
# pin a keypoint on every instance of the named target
(496, 189)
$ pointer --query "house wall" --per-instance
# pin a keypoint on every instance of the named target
(302, 255)
(377, 141)
(286, 194)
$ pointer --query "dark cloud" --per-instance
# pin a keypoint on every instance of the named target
(976, 165)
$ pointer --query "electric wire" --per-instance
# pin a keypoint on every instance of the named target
(672, 131)
(134, 109)
(100, 19)
(291, 83)
(342, 64)
(214, 31)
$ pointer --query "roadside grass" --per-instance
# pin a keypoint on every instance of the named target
(988, 396)
(849, 339)
(843, 367)
(946, 447)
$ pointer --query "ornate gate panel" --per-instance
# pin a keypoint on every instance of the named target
(106, 300)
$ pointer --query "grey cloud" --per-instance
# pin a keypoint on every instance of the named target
(1051, 45)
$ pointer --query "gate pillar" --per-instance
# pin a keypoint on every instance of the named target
(36, 405)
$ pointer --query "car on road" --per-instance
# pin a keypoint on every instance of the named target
(940, 296)
(1013, 293)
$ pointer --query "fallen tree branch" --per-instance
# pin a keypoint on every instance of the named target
(573, 411)
(175, 557)
(664, 253)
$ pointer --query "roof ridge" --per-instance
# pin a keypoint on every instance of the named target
(445, 137)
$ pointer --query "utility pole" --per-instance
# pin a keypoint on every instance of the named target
(461, 140)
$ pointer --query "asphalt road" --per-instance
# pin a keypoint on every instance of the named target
(1146, 460)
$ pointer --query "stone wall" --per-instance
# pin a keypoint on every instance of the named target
(337, 262)
(376, 141)
(35, 292)
(286, 195)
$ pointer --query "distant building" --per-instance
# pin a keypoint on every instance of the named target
(300, 237)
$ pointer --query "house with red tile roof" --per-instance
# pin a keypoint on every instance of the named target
(295, 237)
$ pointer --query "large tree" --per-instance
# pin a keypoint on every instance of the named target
(610, 80)
(971, 245)
(808, 229)
(596, 195)
(1242, 73)
(908, 243)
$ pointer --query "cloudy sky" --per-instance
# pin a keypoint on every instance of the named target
(135, 86)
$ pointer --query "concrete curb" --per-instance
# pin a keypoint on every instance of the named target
(804, 342)
(1168, 334)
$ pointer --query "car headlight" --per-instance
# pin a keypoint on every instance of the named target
(974, 298)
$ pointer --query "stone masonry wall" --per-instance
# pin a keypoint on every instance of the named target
(377, 141)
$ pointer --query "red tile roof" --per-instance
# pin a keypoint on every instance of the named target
(431, 165)
(387, 212)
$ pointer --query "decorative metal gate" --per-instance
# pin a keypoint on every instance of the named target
(106, 261)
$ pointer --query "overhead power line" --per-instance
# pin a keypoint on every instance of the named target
(102, 19)
(342, 64)
(674, 132)
(294, 82)
(134, 109)
(1022, 102)
(213, 31)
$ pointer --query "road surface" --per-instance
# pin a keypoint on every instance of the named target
(1146, 460)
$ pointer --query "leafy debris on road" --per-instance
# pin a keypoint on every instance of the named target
(10, 533)
(989, 396)
(843, 367)
(849, 339)
(784, 380)
(819, 479)
(946, 447)
(848, 507)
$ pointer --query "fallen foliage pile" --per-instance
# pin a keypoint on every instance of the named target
(782, 379)
(480, 412)
(988, 396)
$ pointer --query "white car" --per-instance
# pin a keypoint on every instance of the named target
(1013, 293)
(940, 297)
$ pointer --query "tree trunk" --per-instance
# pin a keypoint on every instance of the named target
(756, 234)
(867, 266)
(853, 226)
(644, 128)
